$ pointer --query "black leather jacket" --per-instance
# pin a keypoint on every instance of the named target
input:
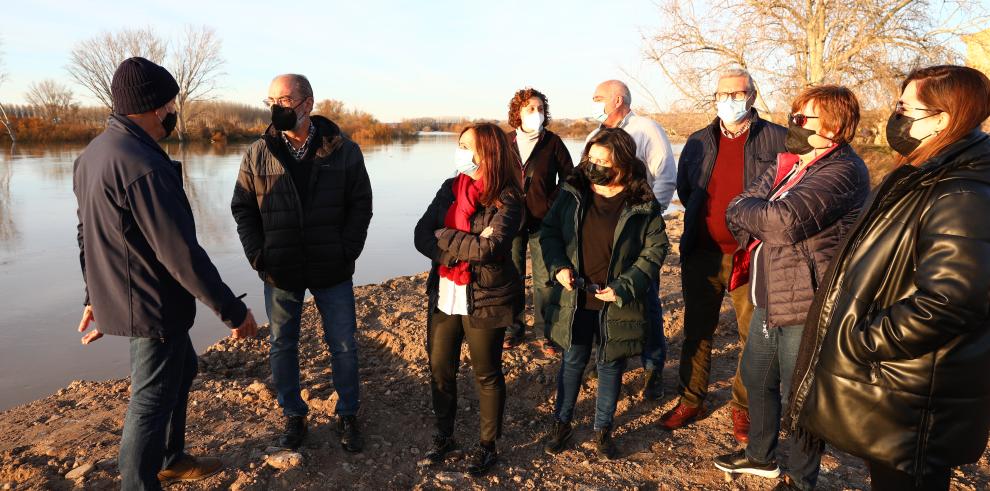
(898, 346)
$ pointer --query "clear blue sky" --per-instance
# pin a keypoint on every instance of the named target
(394, 59)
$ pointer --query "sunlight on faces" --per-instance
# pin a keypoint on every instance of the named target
(283, 90)
(600, 155)
(728, 85)
(466, 142)
(610, 94)
(532, 106)
(815, 123)
(921, 129)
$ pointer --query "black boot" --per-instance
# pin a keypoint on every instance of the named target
(295, 432)
(483, 460)
(653, 386)
(350, 435)
(442, 445)
(557, 437)
(604, 444)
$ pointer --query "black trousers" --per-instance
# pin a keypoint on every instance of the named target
(885, 478)
(443, 344)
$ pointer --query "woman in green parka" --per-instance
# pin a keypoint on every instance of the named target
(603, 243)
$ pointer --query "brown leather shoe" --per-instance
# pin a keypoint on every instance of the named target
(740, 425)
(681, 415)
(190, 468)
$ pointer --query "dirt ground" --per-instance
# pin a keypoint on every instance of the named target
(233, 415)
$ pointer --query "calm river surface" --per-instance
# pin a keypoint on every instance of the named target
(41, 288)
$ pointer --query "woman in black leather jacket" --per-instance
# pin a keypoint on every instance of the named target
(894, 361)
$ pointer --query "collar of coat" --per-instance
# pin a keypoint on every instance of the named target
(328, 136)
(123, 123)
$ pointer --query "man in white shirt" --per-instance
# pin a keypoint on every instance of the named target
(612, 107)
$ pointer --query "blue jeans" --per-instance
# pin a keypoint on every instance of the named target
(154, 434)
(767, 367)
(575, 359)
(336, 307)
(655, 350)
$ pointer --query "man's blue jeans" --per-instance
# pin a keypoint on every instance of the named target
(154, 434)
(655, 350)
(572, 372)
(336, 307)
(767, 367)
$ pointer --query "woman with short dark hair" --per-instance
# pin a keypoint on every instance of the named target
(544, 162)
(473, 287)
(604, 244)
(791, 221)
(895, 361)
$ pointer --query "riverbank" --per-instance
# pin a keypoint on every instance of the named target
(232, 413)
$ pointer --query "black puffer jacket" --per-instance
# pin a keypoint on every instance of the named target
(896, 354)
(294, 246)
(694, 168)
(800, 232)
(494, 289)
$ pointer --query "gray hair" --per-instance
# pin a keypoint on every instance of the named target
(303, 86)
(739, 72)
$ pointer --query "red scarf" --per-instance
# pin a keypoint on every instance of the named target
(467, 192)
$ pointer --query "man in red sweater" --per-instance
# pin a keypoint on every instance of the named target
(716, 165)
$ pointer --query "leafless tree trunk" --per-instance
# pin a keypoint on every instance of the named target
(53, 98)
(94, 60)
(868, 45)
(4, 120)
(197, 64)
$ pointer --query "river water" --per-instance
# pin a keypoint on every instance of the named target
(41, 289)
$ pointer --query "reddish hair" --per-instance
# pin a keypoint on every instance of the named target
(961, 92)
(497, 163)
(520, 99)
(837, 106)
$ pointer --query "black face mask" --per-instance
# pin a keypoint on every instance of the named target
(899, 133)
(797, 140)
(168, 123)
(284, 118)
(599, 175)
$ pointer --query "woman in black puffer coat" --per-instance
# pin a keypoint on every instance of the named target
(473, 286)
(895, 360)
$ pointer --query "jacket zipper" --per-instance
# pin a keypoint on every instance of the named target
(603, 316)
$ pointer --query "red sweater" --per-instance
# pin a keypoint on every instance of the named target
(726, 183)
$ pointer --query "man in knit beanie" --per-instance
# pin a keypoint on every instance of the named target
(144, 269)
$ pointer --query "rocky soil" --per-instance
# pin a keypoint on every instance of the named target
(69, 440)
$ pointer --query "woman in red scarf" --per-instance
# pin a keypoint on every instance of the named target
(473, 286)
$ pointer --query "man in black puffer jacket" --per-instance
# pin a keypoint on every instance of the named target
(302, 205)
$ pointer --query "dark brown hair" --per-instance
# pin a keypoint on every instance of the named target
(838, 109)
(961, 92)
(497, 163)
(630, 170)
(520, 99)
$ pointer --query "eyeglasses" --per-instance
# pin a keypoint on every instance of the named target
(284, 101)
(737, 96)
(901, 108)
(798, 119)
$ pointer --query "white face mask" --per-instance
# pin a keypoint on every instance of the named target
(598, 111)
(464, 161)
(731, 111)
(532, 122)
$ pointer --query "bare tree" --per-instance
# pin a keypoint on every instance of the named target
(789, 44)
(196, 64)
(3, 113)
(54, 99)
(94, 60)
